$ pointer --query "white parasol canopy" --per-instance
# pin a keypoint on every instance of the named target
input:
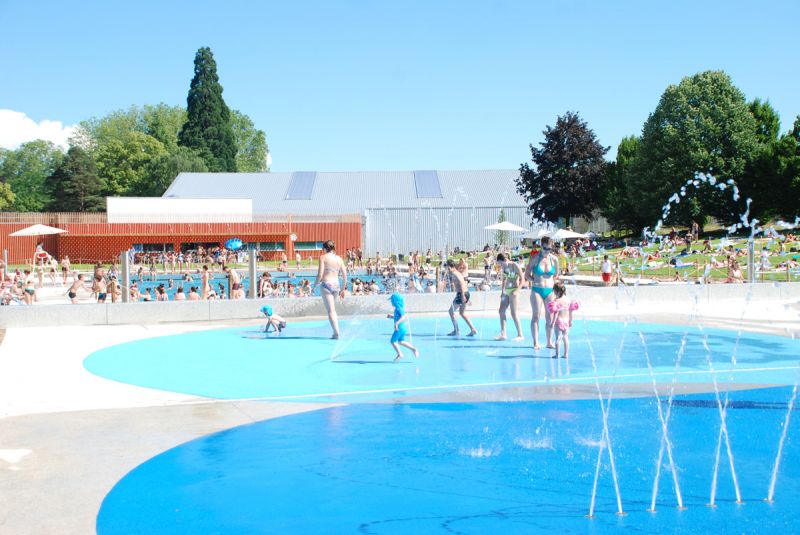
(564, 234)
(535, 234)
(37, 230)
(506, 226)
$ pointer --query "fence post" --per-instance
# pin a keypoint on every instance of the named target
(751, 265)
(251, 291)
(124, 262)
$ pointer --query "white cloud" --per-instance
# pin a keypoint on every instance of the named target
(17, 128)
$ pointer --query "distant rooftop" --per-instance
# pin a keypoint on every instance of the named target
(311, 192)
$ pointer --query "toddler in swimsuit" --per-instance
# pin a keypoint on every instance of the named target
(562, 308)
(400, 326)
(278, 323)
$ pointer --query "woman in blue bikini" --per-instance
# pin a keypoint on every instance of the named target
(542, 272)
(330, 266)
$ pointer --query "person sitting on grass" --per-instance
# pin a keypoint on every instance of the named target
(275, 322)
(734, 273)
(400, 327)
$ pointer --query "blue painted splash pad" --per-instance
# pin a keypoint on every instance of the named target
(524, 467)
(242, 363)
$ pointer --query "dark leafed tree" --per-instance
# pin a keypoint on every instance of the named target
(208, 127)
(568, 170)
(75, 184)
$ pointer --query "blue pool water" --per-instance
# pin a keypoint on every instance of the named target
(244, 363)
(220, 278)
(396, 461)
(479, 468)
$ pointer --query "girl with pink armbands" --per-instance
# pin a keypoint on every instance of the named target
(562, 309)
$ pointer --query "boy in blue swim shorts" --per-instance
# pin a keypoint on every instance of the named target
(400, 326)
(275, 321)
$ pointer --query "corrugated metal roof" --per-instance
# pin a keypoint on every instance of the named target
(351, 192)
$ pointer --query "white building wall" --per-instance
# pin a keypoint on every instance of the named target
(169, 210)
(402, 230)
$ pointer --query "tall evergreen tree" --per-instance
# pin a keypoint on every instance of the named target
(568, 171)
(75, 184)
(208, 128)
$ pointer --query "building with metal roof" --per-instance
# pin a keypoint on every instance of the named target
(401, 210)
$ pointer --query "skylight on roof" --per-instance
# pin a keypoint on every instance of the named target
(302, 185)
(427, 183)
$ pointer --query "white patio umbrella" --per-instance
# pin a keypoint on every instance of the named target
(564, 234)
(37, 230)
(535, 234)
(506, 226)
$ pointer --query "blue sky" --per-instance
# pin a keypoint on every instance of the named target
(380, 85)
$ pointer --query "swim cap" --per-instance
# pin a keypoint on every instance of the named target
(266, 309)
(397, 300)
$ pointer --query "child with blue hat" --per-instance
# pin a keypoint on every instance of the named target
(277, 322)
(400, 326)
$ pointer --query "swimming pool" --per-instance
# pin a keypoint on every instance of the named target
(217, 279)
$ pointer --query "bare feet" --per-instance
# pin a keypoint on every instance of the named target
(550, 346)
(398, 357)
(416, 353)
(536, 347)
(519, 338)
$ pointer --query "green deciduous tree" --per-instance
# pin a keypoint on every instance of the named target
(501, 236)
(122, 163)
(164, 123)
(703, 124)
(787, 155)
(761, 180)
(164, 168)
(75, 184)
(208, 127)
(6, 196)
(768, 122)
(26, 169)
(617, 197)
(251, 143)
(567, 174)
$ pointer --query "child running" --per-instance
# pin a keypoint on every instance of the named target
(400, 326)
(562, 309)
(278, 323)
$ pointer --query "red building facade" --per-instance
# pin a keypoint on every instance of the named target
(90, 240)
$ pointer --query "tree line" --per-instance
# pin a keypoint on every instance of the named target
(134, 152)
(701, 125)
